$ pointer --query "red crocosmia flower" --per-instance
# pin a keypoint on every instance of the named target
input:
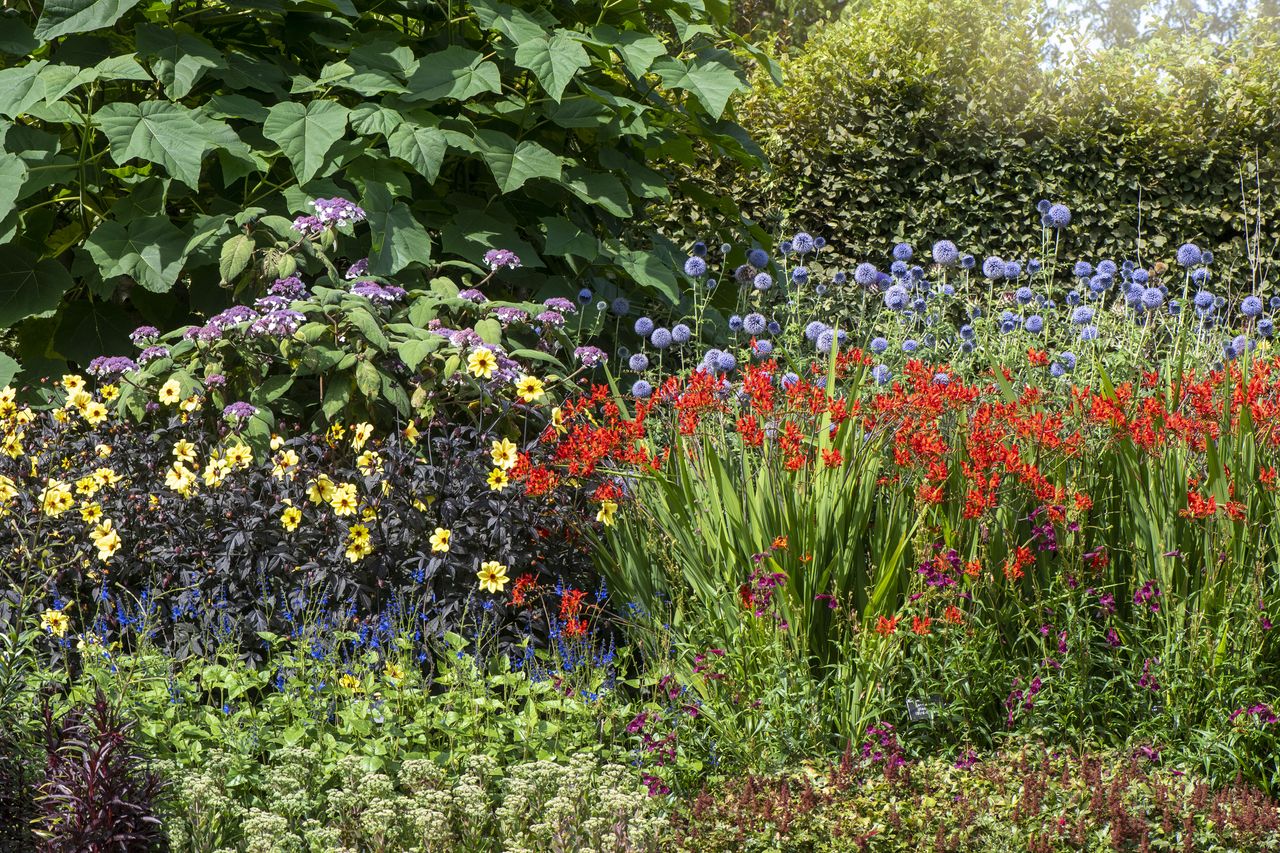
(1084, 503)
(973, 569)
(575, 628)
(571, 603)
(749, 428)
(929, 494)
(1013, 567)
(832, 458)
(779, 543)
(1038, 358)
(524, 585)
(920, 625)
(1199, 506)
(885, 627)
(953, 615)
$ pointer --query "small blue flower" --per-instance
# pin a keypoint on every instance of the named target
(1082, 316)
(967, 332)
(681, 334)
(763, 281)
(879, 345)
(815, 328)
(1058, 215)
(881, 374)
(774, 327)
(993, 268)
(725, 362)
(699, 249)
(1043, 205)
(898, 269)
(802, 243)
(1266, 327)
(620, 306)
(1204, 301)
(1012, 269)
(897, 298)
(967, 262)
(1034, 324)
(758, 258)
(1034, 266)
(1206, 257)
(1189, 254)
(945, 253)
(902, 252)
(754, 324)
(644, 327)
(910, 345)
(735, 323)
(1082, 269)
(825, 341)
(763, 348)
(661, 338)
(1152, 298)
(639, 362)
(1199, 276)
(839, 278)
(1251, 306)
(641, 389)
(800, 275)
(1141, 276)
(1023, 295)
(584, 295)
(866, 274)
(1089, 333)
(695, 267)
(941, 379)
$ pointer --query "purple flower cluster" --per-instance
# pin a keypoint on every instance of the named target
(290, 288)
(497, 258)
(883, 746)
(382, 294)
(1148, 596)
(472, 295)
(279, 323)
(1026, 699)
(330, 213)
(590, 356)
(152, 353)
(1262, 714)
(105, 366)
(144, 335)
(559, 303)
(507, 315)
(239, 411)
(359, 268)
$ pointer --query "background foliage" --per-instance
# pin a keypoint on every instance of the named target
(152, 149)
(908, 117)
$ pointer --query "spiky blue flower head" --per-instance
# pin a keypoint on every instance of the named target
(744, 273)
(879, 345)
(1133, 295)
(898, 269)
(1056, 370)
(1189, 254)
(967, 262)
(641, 389)
(819, 242)
(774, 327)
(1034, 324)
(1274, 302)
(948, 290)
(910, 345)
(902, 252)
(1034, 266)
(1152, 298)
(883, 281)
(941, 379)
(1251, 306)
(1068, 359)
(1203, 301)
(866, 274)
(1043, 205)
(735, 323)
(785, 247)
(917, 274)
(1141, 276)
(1082, 269)
(1108, 268)
(789, 379)
(1082, 316)
(802, 243)
(966, 346)
(820, 289)
(762, 349)
(758, 258)
(699, 249)
(1074, 297)
(695, 267)
(815, 328)
(713, 283)
(1007, 326)
(1199, 276)
(639, 362)
(620, 306)
(967, 332)
(1242, 344)
(1219, 301)
(993, 268)
(1059, 216)
(644, 327)
(1174, 306)
(825, 340)
(800, 275)
(661, 338)
(918, 305)
(1023, 295)
(725, 248)
(842, 336)
(584, 295)
(881, 374)
(975, 312)
(681, 334)
(725, 362)
(1266, 327)
(1089, 333)
(839, 278)
(1099, 283)
(945, 253)
(763, 281)
(754, 323)
(896, 298)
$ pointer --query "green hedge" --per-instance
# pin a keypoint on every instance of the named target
(924, 119)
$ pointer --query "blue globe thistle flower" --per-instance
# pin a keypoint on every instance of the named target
(948, 290)
(966, 346)
(896, 298)
(726, 362)
(1034, 324)
(1023, 295)
(967, 262)
(1099, 284)
(713, 283)
(879, 345)
(661, 338)
(1082, 269)
(1082, 316)
(725, 248)
(620, 306)
(1043, 205)
(644, 327)
(819, 242)
(735, 323)
(820, 289)
(866, 274)
(993, 268)
(709, 359)
(1219, 301)
(802, 243)
(763, 281)
(695, 267)
(883, 281)
(815, 328)
(945, 253)
(754, 324)
(1141, 276)
(839, 278)
(1189, 254)
(1007, 326)
(842, 336)
(774, 327)
(681, 334)
(800, 275)
(881, 374)
(1152, 298)
(975, 312)
(762, 349)
(1266, 327)
(825, 341)
(941, 379)
(1108, 268)
(967, 332)
(910, 345)
(623, 352)
(744, 273)
(758, 258)
(1274, 302)
(641, 389)
(789, 379)
(1199, 276)
(639, 362)
(1074, 297)
(898, 269)
(918, 305)
(902, 252)
(1059, 216)
(1128, 266)
(1203, 301)
(785, 247)
(1133, 295)
(699, 249)
(1067, 359)
(1034, 266)
(584, 295)
(1089, 333)
(1056, 370)
(602, 305)
(1251, 306)
(917, 274)
(1174, 306)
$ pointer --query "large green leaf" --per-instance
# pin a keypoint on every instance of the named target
(306, 134)
(454, 72)
(712, 77)
(178, 59)
(420, 146)
(87, 330)
(554, 61)
(158, 131)
(29, 285)
(8, 370)
(20, 88)
(515, 163)
(61, 17)
(518, 25)
(397, 239)
(150, 250)
(13, 174)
